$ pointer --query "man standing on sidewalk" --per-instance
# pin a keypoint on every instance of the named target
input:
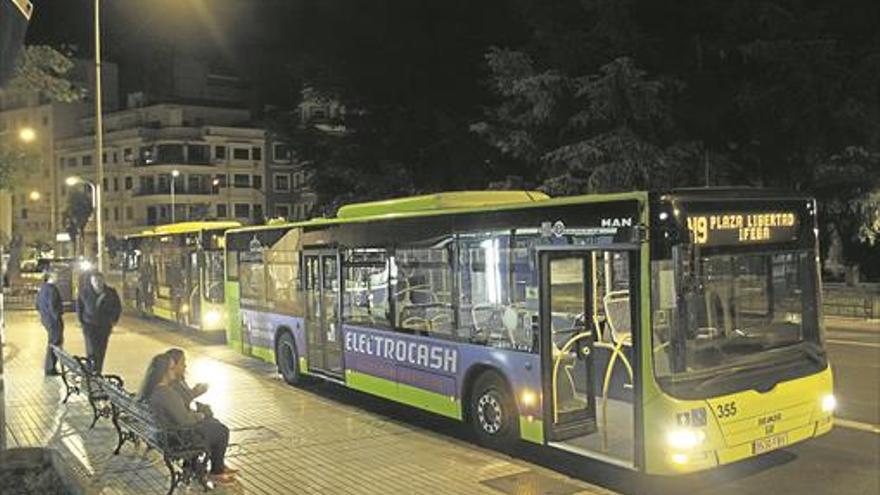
(51, 308)
(98, 308)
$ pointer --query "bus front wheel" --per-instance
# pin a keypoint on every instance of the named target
(287, 359)
(493, 412)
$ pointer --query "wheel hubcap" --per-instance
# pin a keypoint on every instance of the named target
(489, 413)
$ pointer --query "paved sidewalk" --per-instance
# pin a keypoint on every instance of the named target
(284, 440)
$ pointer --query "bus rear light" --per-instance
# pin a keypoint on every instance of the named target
(680, 458)
(528, 398)
(829, 403)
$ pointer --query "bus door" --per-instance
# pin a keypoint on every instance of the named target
(195, 293)
(566, 345)
(589, 301)
(323, 330)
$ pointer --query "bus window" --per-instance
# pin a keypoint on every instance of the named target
(213, 288)
(423, 290)
(498, 291)
(253, 280)
(366, 288)
(282, 271)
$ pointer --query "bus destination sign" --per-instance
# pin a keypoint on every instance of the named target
(730, 229)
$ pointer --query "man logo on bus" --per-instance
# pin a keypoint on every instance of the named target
(617, 222)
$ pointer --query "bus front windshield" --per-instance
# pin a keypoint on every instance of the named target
(731, 310)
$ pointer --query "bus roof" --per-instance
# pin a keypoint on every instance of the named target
(445, 204)
(439, 201)
(186, 228)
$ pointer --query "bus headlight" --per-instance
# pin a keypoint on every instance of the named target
(829, 403)
(86, 265)
(684, 439)
(212, 317)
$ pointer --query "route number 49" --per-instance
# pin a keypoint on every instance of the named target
(726, 410)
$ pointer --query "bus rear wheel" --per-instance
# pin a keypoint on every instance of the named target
(493, 413)
(287, 359)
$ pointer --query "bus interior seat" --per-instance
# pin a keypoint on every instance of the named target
(619, 316)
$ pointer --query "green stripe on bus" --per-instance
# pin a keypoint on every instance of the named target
(303, 365)
(263, 353)
(531, 430)
(430, 401)
(233, 315)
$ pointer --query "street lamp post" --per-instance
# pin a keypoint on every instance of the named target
(174, 174)
(99, 137)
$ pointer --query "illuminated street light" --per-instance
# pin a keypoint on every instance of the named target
(34, 195)
(27, 134)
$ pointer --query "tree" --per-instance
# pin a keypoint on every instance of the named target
(600, 132)
(76, 216)
(45, 70)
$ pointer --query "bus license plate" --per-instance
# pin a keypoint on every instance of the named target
(769, 443)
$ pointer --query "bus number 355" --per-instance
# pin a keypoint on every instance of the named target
(726, 410)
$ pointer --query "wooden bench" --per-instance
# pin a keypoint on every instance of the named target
(184, 449)
(79, 378)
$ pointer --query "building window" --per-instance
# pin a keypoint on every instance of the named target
(61, 162)
(128, 183)
(282, 153)
(115, 157)
(221, 180)
(242, 210)
(151, 215)
(129, 212)
(104, 157)
(197, 153)
(220, 152)
(282, 182)
(116, 183)
(241, 180)
(104, 184)
(241, 154)
(86, 160)
(115, 213)
(221, 211)
(282, 211)
(258, 213)
(128, 155)
(257, 181)
(256, 153)
(24, 213)
(169, 153)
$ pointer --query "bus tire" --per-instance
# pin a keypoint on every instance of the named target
(493, 412)
(287, 359)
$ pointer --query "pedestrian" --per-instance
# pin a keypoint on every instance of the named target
(98, 309)
(51, 309)
(158, 391)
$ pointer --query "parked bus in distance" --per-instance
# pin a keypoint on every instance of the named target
(666, 333)
(175, 272)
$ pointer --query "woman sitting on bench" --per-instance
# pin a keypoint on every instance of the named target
(159, 390)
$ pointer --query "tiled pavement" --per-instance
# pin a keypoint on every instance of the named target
(284, 440)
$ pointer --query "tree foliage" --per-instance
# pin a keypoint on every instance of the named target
(77, 214)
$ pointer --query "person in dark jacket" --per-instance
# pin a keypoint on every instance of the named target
(98, 308)
(51, 309)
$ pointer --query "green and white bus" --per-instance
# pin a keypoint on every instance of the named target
(666, 333)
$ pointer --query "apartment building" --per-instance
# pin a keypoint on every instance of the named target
(171, 162)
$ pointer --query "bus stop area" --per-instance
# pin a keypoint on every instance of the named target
(317, 440)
